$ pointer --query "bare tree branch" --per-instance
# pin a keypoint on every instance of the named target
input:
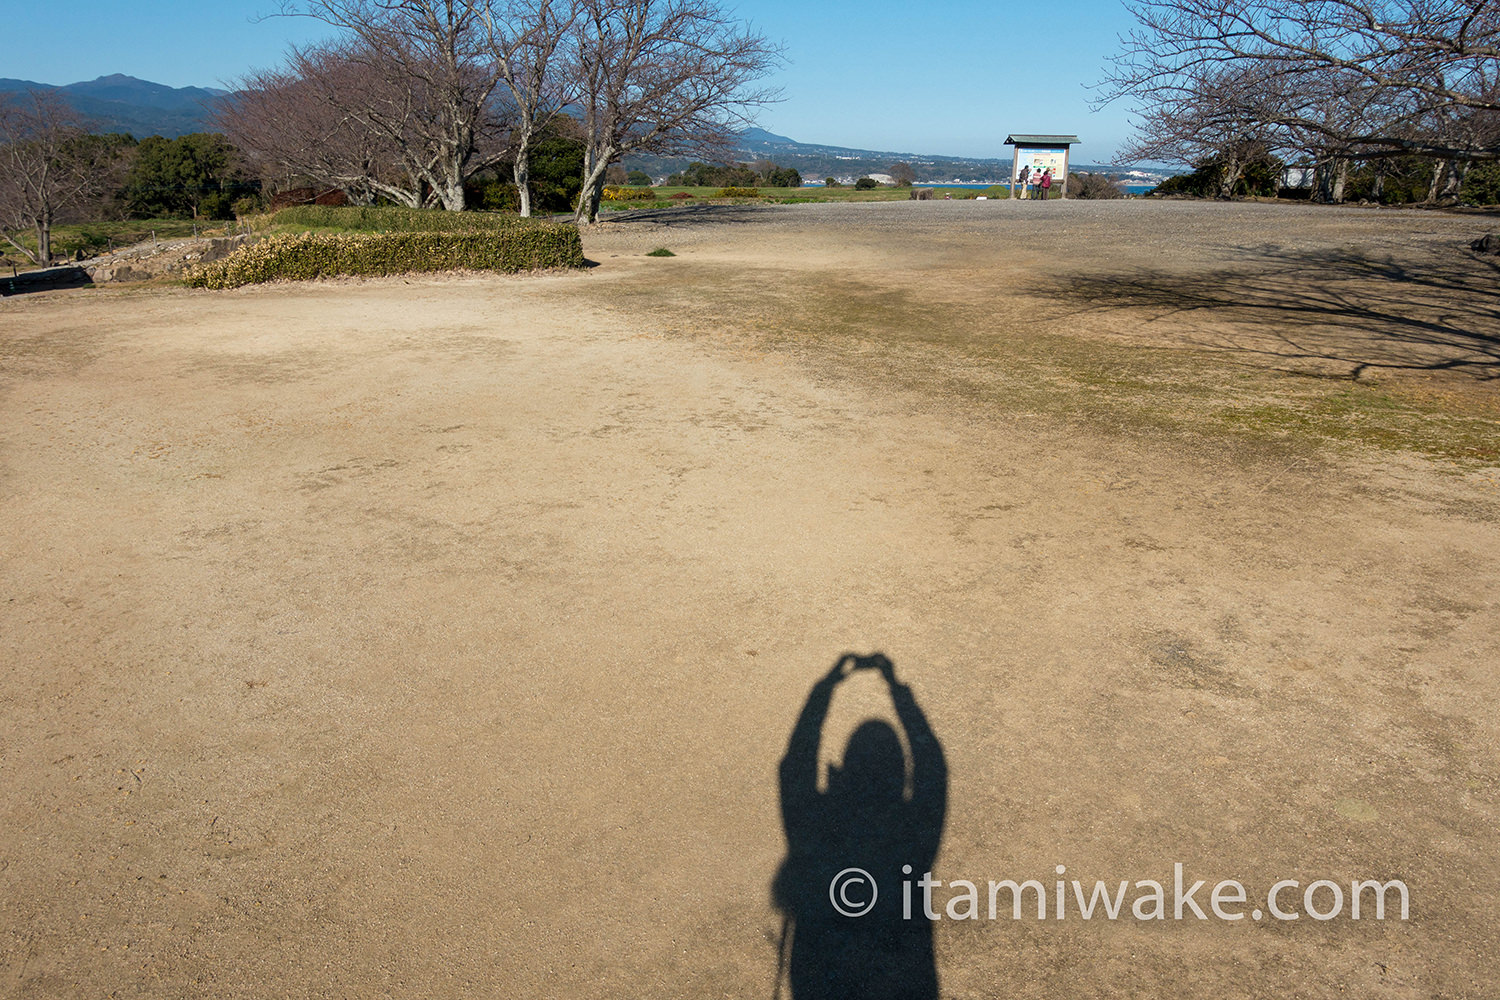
(665, 76)
(527, 38)
(1372, 77)
(432, 79)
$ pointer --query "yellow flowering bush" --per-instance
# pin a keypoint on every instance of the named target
(614, 193)
(738, 193)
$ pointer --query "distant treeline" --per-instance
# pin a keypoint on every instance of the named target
(762, 173)
(1403, 180)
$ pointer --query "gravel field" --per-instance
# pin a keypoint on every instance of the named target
(444, 636)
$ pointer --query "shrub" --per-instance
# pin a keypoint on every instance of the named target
(679, 196)
(831, 182)
(866, 184)
(638, 178)
(738, 192)
(661, 252)
(518, 247)
(491, 194)
(1481, 185)
(556, 173)
(1258, 177)
(612, 193)
(707, 175)
(1198, 183)
(1092, 185)
(783, 177)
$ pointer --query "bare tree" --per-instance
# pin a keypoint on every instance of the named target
(49, 166)
(1210, 115)
(525, 38)
(437, 78)
(662, 76)
(290, 124)
(1409, 66)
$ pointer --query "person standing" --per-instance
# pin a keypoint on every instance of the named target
(1024, 179)
(1046, 182)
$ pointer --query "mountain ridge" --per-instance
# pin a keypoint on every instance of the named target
(121, 103)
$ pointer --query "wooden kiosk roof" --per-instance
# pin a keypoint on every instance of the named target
(1042, 140)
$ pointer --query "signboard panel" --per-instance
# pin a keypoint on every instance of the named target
(1039, 160)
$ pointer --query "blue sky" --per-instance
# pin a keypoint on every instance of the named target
(949, 78)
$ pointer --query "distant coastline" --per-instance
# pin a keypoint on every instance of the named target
(1127, 188)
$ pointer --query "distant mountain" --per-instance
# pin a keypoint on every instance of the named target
(119, 103)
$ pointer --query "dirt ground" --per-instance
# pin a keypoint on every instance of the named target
(440, 637)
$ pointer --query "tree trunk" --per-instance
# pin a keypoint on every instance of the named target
(594, 167)
(359, 194)
(44, 241)
(402, 196)
(451, 194)
(1378, 191)
(1322, 182)
(1439, 168)
(590, 197)
(1340, 179)
(522, 171)
(1229, 176)
(1457, 170)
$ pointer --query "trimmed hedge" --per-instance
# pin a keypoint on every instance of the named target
(394, 219)
(308, 255)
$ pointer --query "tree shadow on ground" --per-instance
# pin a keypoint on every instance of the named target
(44, 280)
(682, 216)
(1332, 312)
(848, 932)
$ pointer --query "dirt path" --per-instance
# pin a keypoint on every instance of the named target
(441, 637)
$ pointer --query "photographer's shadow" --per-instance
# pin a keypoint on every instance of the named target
(878, 821)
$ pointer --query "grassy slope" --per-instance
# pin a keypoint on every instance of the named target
(95, 237)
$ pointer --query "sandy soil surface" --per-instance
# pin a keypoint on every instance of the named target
(440, 637)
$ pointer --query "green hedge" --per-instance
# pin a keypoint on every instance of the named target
(395, 219)
(306, 256)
